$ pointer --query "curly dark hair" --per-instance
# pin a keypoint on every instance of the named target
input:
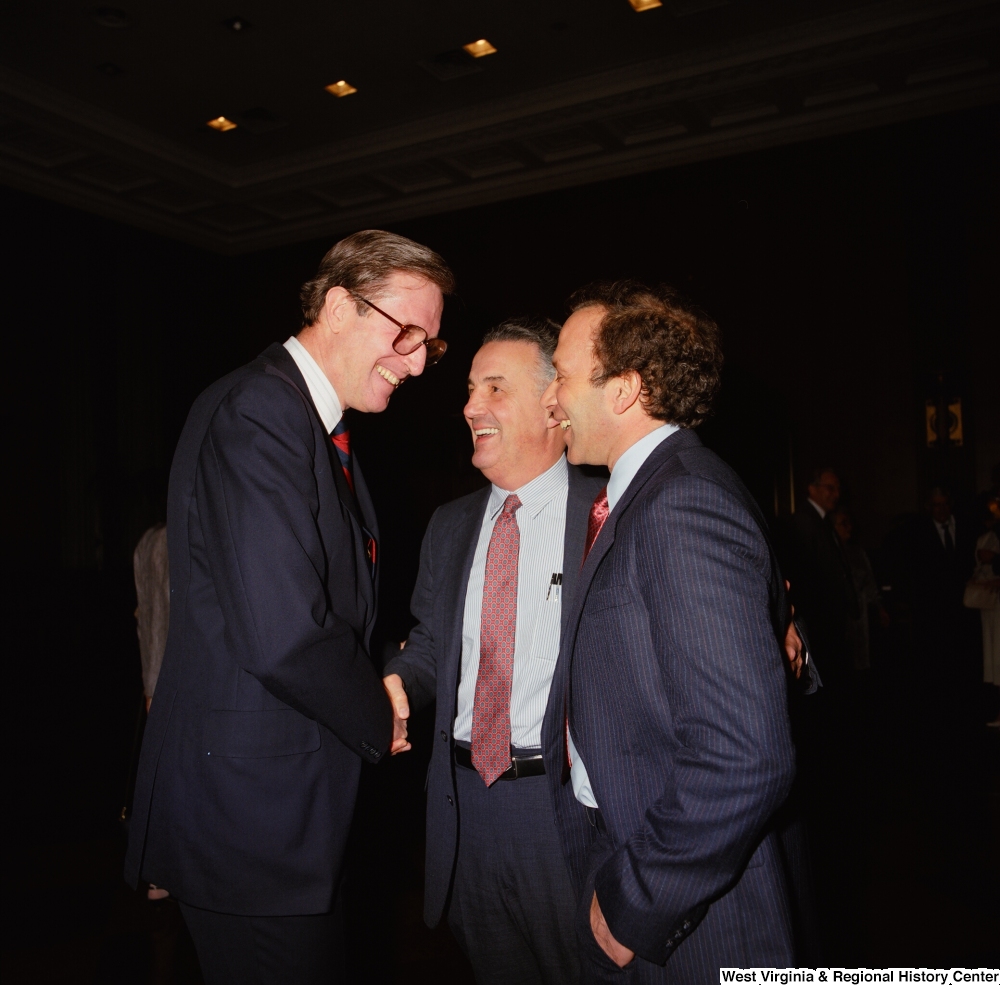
(673, 346)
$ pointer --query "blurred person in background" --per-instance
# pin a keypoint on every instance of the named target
(945, 633)
(983, 593)
(822, 586)
(858, 635)
(151, 568)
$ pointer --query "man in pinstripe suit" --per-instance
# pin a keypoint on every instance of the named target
(671, 679)
(495, 865)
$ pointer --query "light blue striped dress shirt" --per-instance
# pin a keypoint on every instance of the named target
(541, 524)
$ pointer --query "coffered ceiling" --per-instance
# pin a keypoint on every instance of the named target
(105, 108)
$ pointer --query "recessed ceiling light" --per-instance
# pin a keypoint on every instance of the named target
(340, 89)
(479, 48)
(110, 17)
(641, 5)
(222, 124)
(237, 24)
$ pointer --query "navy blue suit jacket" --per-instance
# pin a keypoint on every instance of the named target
(267, 700)
(674, 676)
(431, 664)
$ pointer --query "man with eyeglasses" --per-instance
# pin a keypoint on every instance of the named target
(268, 701)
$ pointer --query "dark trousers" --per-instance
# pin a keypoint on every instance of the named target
(237, 950)
(512, 902)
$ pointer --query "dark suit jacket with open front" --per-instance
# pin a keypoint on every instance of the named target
(431, 664)
(267, 701)
(673, 673)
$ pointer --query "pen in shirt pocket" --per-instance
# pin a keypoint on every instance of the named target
(556, 583)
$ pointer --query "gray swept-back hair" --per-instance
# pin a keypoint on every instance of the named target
(539, 332)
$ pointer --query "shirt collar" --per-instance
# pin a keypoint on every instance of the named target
(632, 460)
(320, 388)
(536, 494)
(819, 509)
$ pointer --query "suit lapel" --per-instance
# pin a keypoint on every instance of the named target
(464, 537)
(282, 364)
(660, 455)
(369, 524)
(578, 503)
(279, 362)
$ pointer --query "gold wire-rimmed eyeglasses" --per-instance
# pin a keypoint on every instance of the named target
(411, 337)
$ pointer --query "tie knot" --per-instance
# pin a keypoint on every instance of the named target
(511, 504)
(598, 514)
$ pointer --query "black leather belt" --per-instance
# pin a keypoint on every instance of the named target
(520, 766)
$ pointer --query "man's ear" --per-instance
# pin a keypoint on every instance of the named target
(625, 391)
(338, 305)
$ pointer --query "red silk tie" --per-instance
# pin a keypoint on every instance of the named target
(491, 707)
(598, 514)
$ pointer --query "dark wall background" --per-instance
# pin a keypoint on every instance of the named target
(853, 277)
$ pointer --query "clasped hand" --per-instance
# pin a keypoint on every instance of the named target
(393, 685)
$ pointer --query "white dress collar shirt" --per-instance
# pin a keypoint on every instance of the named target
(819, 509)
(320, 388)
(622, 474)
(541, 524)
(949, 524)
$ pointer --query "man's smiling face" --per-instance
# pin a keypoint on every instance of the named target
(580, 409)
(512, 442)
(371, 369)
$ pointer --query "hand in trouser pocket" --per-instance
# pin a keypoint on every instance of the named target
(595, 965)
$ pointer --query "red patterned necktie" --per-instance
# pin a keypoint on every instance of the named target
(491, 708)
(342, 442)
(598, 514)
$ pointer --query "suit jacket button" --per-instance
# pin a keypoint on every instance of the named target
(444, 736)
(451, 800)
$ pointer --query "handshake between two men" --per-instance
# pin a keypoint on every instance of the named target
(605, 657)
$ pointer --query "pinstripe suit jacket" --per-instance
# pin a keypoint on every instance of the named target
(674, 677)
(431, 663)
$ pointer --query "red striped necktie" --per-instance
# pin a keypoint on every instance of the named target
(598, 514)
(342, 442)
(341, 438)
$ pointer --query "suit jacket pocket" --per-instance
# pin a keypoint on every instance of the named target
(608, 598)
(260, 734)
